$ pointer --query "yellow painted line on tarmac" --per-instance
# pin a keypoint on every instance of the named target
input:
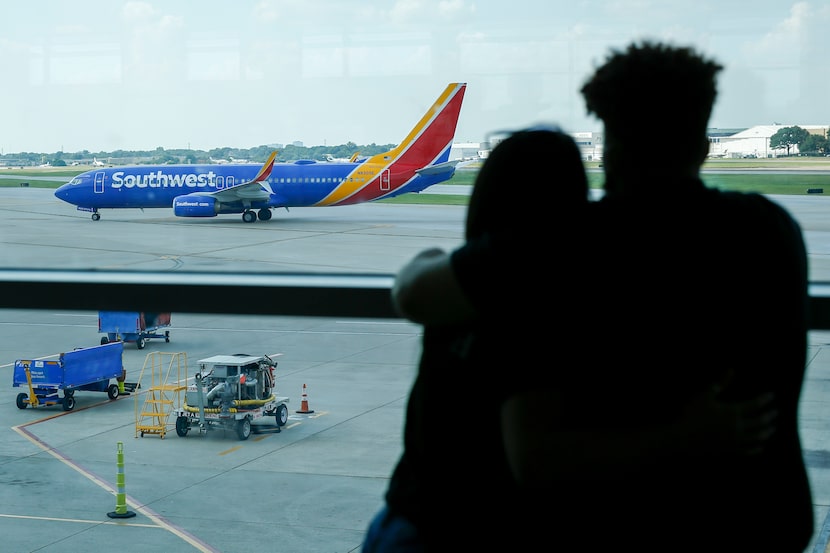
(231, 450)
(158, 521)
(261, 433)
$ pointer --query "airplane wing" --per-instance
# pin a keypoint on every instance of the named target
(251, 190)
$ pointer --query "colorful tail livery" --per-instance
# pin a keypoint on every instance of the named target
(421, 160)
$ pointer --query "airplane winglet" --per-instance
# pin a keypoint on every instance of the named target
(266, 168)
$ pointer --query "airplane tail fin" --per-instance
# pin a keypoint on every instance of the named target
(426, 149)
(429, 142)
(419, 161)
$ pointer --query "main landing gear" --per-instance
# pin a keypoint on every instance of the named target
(250, 216)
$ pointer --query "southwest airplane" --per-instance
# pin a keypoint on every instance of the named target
(421, 160)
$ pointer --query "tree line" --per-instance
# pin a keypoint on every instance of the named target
(289, 152)
(808, 144)
(785, 138)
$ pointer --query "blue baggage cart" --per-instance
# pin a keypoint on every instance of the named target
(133, 326)
(89, 369)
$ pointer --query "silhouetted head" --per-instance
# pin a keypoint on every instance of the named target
(653, 88)
(529, 178)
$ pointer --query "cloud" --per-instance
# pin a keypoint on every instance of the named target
(136, 12)
(428, 11)
(784, 70)
(153, 46)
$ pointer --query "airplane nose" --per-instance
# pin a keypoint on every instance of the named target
(62, 192)
(70, 192)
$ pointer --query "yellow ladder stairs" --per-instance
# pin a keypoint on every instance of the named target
(162, 395)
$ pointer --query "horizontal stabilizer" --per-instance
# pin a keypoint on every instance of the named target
(438, 168)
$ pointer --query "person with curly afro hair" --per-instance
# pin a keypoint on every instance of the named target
(692, 289)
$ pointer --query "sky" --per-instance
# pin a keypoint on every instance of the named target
(105, 75)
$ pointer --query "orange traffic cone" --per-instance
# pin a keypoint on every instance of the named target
(304, 404)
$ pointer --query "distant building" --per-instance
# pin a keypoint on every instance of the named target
(465, 151)
(754, 141)
(723, 143)
(590, 146)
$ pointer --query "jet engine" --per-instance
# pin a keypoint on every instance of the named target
(195, 205)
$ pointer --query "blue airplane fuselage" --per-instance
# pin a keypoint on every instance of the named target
(419, 161)
(296, 184)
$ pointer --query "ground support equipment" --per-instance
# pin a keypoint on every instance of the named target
(88, 369)
(165, 377)
(230, 392)
(132, 326)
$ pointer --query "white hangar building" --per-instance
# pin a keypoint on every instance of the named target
(754, 141)
(590, 146)
(723, 143)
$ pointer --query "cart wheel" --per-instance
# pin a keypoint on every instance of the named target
(140, 343)
(68, 402)
(243, 428)
(281, 415)
(22, 400)
(182, 426)
(104, 340)
(167, 336)
(112, 391)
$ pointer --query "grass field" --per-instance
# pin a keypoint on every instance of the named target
(803, 174)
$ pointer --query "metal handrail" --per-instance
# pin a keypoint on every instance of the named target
(279, 294)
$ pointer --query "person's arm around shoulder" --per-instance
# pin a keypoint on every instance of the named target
(426, 290)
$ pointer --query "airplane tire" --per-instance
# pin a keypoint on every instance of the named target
(248, 216)
(264, 214)
(96, 216)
